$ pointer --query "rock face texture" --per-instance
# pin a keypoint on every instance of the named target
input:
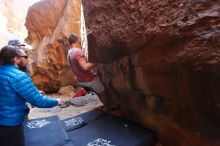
(12, 16)
(161, 64)
(49, 23)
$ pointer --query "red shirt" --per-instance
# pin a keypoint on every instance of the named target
(74, 56)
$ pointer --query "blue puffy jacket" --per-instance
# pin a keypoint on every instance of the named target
(16, 88)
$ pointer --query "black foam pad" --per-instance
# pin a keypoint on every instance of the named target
(112, 131)
(81, 120)
(45, 132)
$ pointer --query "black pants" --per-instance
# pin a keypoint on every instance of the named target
(11, 136)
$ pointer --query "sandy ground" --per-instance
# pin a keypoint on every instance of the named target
(79, 105)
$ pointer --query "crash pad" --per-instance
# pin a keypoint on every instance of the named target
(45, 132)
(93, 128)
(108, 130)
(75, 122)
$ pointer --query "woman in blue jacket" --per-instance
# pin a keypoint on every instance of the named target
(16, 88)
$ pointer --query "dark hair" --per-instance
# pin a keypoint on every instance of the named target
(7, 53)
(72, 39)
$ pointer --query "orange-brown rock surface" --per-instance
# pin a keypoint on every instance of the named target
(161, 64)
(48, 22)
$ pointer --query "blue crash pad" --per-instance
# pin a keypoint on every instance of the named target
(107, 130)
(94, 128)
(82, 120)
(45, 132)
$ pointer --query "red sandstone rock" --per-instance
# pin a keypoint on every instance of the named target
(161, 64)
(46, 22)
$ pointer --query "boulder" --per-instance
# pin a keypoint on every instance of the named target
(160, 64)
(49, 23)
